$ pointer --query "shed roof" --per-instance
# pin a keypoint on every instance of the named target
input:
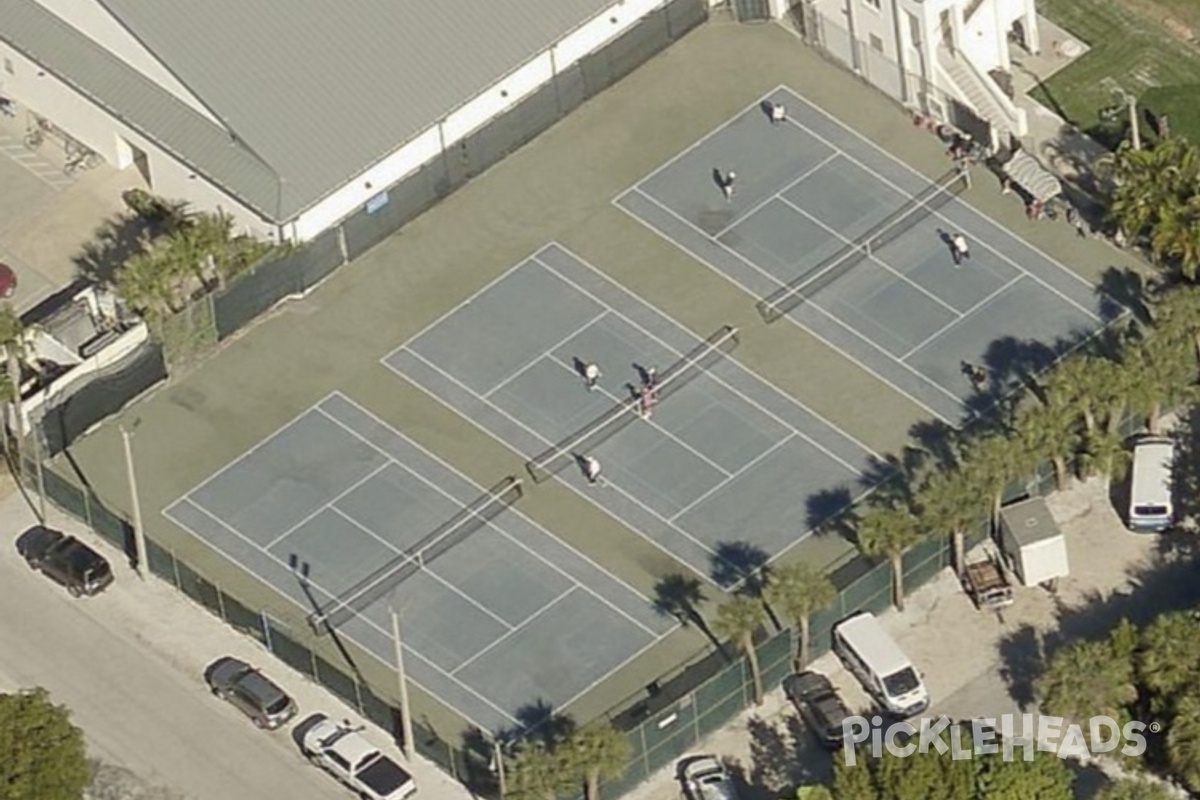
(1029, 521)
(311, 92)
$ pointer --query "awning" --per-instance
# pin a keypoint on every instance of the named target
(1025, 170)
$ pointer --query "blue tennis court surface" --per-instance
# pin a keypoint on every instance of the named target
(728, 471)
(330, 507)
(810, 189)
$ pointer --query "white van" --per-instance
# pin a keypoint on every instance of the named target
(880, 665)
(1150, 506)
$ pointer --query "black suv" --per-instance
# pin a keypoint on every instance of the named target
(65, 559)
(819, 705)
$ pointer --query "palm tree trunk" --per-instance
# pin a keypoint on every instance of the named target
(1152, 419)
(755, 675)
(1114, 419)
(805, 644)
(591, 788)
(1060, 472)
(897, 581)
(1089, 421)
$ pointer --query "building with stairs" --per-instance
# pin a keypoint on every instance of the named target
(946, 59)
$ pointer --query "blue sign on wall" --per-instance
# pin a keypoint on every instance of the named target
(377, 202)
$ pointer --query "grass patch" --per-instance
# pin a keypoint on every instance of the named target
(1128, 47)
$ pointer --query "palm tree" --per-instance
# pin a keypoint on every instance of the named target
(599, 752)
(1050, 431)
(991, 462)
(798, 590)
(949, 501)
(1136, 789)
(540, 773)
(1177, 316)
(889, 531)
(1169, 653)
(739, 620)
(1183, 739)
(1161, 368)
(1086, 679)
(12, 339)
(1072, 383)
(145, 286)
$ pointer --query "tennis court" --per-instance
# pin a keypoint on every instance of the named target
(829, 231)
(727, 471)
(344, 515)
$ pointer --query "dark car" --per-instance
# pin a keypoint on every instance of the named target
(819, 705)
(66, 560)
(251, 692)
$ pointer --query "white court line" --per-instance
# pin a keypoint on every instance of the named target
(872, 257)
(441, 318)
(937, 214)
(407, 559)
(613, 486)
(777, 194)
(329, 503)
(965, 314)
(713, 376)
(734, 476)
(512, 631)
(533, 524)
(544, 354)
(261, 443)
(366, 620)
(656, 426)
(732, 119)
(815, 306)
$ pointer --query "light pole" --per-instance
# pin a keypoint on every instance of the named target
(1135, 132)
(402, 680)
(139, 535)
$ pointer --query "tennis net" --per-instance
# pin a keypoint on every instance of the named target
(789, 297)
(580, 443)
(435, 544)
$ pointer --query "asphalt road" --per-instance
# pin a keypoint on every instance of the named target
(137, 708)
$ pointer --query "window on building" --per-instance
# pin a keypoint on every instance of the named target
(875, 4)
(8, 66)
(876, 43)
(914, 30)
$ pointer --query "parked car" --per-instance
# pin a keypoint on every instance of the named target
(251, 692)
(66, 560)
(343, 752)
(705, 778)
(819, 706)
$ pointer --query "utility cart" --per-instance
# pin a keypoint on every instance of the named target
(987, 584)
(1034, 547)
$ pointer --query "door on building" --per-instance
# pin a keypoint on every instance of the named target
(752, 10)
(142, 162)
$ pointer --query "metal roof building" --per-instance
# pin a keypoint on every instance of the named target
(278, 111)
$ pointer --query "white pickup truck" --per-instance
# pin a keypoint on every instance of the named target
(343, 752)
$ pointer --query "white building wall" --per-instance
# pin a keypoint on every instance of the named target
(875, 27)
(492, 102)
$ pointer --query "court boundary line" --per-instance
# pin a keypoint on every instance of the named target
(713, 376)
(789, 317)
(327, 504)
(871, 256)
(531, 522)
(514, 630)
(992, 296)
(519, 372)
(639, 503)
(1004, 231)
(420, 656)
(759, 206)
(734, 476)
(428, 570)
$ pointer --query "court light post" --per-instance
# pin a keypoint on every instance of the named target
(139, 535)
(406, 730)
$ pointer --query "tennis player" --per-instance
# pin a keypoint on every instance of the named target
(647, 399)
(591, 469)
(591, 376)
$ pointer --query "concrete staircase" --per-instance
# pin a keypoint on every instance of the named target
(983, 95)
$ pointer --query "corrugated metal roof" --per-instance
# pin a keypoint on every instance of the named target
(318, 89)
